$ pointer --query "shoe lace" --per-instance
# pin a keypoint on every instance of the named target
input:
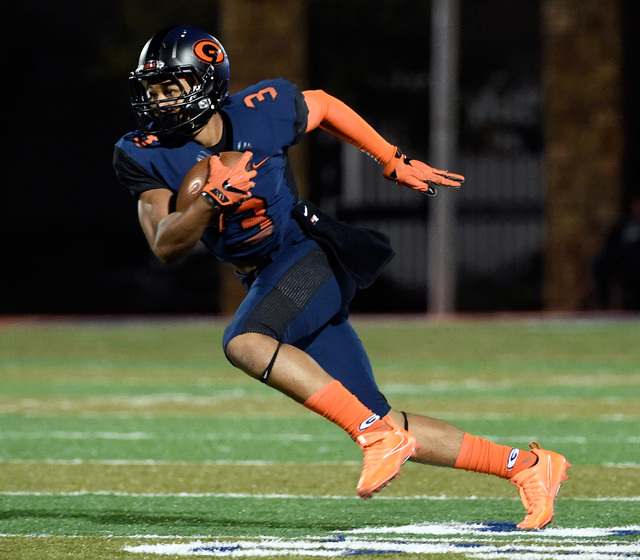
(535, 492)
(372, 445)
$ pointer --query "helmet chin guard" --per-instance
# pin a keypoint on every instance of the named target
(194, 61)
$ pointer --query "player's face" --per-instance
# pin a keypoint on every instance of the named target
(167, 93)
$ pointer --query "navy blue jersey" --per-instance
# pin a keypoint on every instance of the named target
(266, 119)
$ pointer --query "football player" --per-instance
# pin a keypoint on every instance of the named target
(300, 267)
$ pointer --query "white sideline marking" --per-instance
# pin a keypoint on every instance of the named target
(125, 462)
(295, 437)
(291, 496)
(154, 462)
(484, 529)
(489, 542)
(351, 547)
(471, 540)
(281, 437)
(78, 435)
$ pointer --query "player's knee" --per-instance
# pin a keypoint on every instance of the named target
(237, 348)
(250, 352)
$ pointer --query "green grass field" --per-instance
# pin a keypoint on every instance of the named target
(137, 440)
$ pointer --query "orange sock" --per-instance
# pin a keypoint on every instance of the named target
(337, 404)
(483, 456)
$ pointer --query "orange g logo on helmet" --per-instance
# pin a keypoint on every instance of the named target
(208, 51)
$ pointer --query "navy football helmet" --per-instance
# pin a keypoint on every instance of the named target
(194, 61)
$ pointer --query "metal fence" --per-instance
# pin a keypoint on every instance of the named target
(498, 227)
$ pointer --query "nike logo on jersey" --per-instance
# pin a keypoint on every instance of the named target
(256, 165)
(368, 422)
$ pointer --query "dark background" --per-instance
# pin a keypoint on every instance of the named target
(70, 236)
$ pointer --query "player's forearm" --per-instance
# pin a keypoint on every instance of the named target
(171, 236)
(334, 116)
(175, 238)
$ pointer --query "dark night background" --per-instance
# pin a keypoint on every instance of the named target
(71, 240)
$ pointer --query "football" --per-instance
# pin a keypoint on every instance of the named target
(194, 180)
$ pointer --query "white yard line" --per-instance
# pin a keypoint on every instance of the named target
(470, 540)
(135, 462)
(241, 495)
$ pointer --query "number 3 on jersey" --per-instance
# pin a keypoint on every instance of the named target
(254, 208)
(264, 94)
(256, 218)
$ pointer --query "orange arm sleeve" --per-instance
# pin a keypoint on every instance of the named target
(334, 116)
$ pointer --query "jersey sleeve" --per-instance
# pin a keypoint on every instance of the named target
(302, 116)
(268, 117)
(132, 175)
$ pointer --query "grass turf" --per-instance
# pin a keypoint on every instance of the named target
(112, 432)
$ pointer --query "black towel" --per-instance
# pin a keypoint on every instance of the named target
(361, 252)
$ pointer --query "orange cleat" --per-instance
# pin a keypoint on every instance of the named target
(385, 451)
(538, 487)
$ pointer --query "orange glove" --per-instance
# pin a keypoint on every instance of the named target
(228, 186)
(419, 176)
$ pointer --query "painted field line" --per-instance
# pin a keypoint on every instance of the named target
(352, 547)
(581, 440)
(491, 529)
(153, 462)
(480, 385)
(78, 435)
(297, 436)
(483, 541)
(246, 436)
(18, 404)
(243, 495)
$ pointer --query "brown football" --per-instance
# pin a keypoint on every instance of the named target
(194, 180)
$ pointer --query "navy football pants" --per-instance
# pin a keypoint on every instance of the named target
(299, 299)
